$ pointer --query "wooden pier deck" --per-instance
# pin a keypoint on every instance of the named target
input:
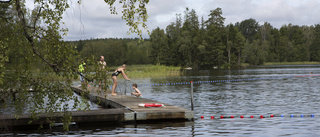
(120, 108)
(131, 103)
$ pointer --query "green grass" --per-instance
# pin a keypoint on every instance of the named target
(291, 63)
(245, 64)
(143, 71)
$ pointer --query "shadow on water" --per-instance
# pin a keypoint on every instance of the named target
(103, 128)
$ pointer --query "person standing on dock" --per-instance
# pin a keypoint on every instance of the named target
(81, 69)
(136, 92)
(114, 77)
(102, 65)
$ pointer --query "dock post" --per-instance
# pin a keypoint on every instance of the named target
(191, 82)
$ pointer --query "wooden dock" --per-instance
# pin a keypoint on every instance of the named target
(131, 103)
(120, 108)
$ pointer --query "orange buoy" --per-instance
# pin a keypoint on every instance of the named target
(150, 105)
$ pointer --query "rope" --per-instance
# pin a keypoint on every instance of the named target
(222, 81)
(262, 116)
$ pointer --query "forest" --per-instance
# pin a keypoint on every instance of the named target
(205, 44)
(34, 56)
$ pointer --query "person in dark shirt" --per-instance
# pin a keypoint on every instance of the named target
(114, 77)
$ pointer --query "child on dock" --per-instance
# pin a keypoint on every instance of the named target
(136, 92)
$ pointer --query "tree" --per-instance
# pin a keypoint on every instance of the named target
(185, 42)
(189, 40)
(239, 44)
(249, 28)
(285, 47)
(274, 49)
(315, 46)
(214, 38)
(231, 39)
(173, 32)
(35, 52)
(159, 45)
(299, 49)
(308, 33)
(137, 52)
(255, 52)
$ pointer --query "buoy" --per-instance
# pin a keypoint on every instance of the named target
(241, 116)
(150, 105)
(212, 117)
(282, 115)
(271, 115)
(251, 116)
(291, 115)
(261, 116)
(301, 115)
(231, 116)
(221, 117)
(202, 117)
(312, 115)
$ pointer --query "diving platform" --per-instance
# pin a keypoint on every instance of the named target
(114, 109)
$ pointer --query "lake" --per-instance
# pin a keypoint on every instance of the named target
(287, 92)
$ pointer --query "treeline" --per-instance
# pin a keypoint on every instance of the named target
(205, 44)
(116, 51)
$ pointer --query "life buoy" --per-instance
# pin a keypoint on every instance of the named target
(150, 105)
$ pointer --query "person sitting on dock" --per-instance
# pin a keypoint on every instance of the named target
(136, 92)
(114, 77)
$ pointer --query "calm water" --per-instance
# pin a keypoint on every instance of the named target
(281, 94)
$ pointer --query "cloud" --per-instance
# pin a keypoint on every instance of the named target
(92, 19)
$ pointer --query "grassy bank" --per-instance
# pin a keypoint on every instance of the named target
(143, 71)
(291, 63)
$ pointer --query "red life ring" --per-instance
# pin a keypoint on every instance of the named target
(150, 105)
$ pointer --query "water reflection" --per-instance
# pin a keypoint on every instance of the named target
(12, 110)
(285, 95)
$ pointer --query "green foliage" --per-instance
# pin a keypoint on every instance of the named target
(33, 56)
(249, 28)
(314, 47)
(115, 51)
(208, 44)
(290, 63)
(147, 71)
(215, 37)
(159, 46)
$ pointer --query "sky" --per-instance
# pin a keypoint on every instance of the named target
(92, 19)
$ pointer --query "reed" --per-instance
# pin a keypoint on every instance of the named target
(143, 71)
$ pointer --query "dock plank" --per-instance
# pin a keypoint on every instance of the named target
(101, 115)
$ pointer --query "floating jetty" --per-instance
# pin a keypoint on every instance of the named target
(114, 109)
(131, 103)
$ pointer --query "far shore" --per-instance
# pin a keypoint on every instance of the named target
(291, 63)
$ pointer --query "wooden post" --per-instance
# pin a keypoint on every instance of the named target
(191, 82)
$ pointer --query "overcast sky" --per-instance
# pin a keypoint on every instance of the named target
(92, 18)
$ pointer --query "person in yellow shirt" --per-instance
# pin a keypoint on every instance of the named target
(82, 67)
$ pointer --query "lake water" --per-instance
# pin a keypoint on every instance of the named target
(276, 90)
